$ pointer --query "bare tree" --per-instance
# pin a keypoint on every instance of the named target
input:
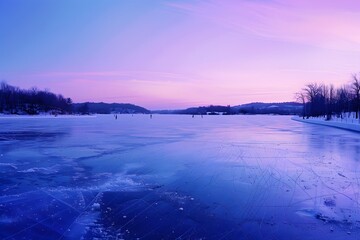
(326, 100)
(330, 101)
(355, 85)
(16, 100)
(343, 99)
(301, 97)
(316, 99)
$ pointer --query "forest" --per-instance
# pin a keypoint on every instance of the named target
(14, 100)
(328, 101)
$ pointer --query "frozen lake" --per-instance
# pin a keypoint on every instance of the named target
(177, 177)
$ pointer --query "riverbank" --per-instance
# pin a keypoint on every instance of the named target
(347, 124)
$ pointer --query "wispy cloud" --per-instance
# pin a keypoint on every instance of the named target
(326, 24)
(183, 52)
(120, 74)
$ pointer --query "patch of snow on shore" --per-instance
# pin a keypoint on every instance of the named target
(348, 125)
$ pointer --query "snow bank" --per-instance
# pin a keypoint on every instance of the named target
(352, 125)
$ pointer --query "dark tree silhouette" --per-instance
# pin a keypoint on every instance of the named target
(342, 101)
(355, 85)
(83, 108)
(301, 97)
(327, 101)
(14, 100)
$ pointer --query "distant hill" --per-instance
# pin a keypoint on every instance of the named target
(210, 110)
(107, 108)
(14, 100)
(284, 108)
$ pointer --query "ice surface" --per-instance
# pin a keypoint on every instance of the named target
(177, 177)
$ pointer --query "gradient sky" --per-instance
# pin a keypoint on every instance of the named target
(176, 54)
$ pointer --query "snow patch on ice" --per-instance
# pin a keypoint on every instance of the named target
(96, 206)
(121, 183)
(178, 198)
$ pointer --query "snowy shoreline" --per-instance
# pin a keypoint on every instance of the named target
(347, 124)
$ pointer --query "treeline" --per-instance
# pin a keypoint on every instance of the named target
(204, 110)
(210, 110)
(14, 100)
(284, 108)
(328, 101)
(107, 108)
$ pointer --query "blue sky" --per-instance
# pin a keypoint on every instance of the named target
(174, 54)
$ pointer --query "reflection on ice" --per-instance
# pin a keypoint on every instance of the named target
(217, 177)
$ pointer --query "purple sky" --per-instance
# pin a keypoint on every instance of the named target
(175, 54)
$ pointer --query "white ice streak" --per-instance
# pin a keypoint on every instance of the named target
(43, 170)
(118, 183)
(8, 165)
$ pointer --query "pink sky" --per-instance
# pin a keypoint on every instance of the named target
(176, 54)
